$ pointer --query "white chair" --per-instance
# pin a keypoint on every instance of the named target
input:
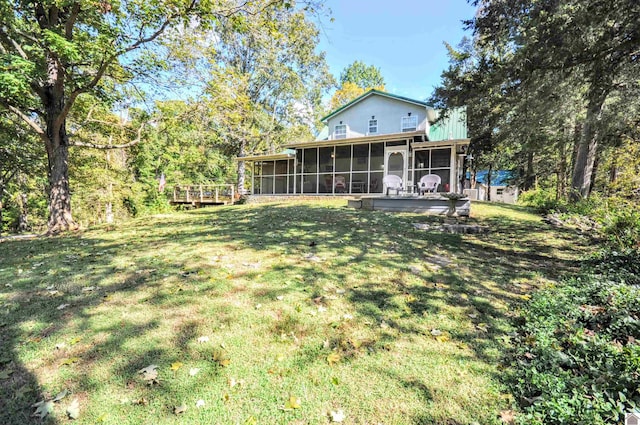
(429, 183)
(392, 182)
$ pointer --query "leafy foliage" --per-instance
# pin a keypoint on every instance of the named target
(355, 80)
(576, 357)
(362, 75)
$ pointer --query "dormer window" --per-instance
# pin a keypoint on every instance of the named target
(340, 131)
(409, 123)
(373, 126)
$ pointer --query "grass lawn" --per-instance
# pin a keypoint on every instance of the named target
(271, 314)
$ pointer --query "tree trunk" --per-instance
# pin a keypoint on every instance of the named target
(489, 183)
(529, 179)
(60, 218)
(57, 144)
(241, 169)
(594, 173)
(23, 218)
(1, 208)
(587, 148)
(562, 170)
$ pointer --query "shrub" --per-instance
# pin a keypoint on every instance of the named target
(576, 355)
(621, 227)
(542, 200)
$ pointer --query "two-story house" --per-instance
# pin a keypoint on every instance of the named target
(375, 135)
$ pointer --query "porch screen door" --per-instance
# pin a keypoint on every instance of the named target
(396, 164)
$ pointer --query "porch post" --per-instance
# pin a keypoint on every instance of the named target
(453, 186)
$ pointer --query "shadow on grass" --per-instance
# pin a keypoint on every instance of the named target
(477, 271)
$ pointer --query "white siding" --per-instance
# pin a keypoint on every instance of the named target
(387, 111)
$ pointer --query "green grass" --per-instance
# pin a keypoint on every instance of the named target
(371, 290)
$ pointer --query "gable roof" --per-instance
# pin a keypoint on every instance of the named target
(370, 93)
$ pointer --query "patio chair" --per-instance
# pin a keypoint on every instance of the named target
(340, 185)
(429, 183)
(392, 182)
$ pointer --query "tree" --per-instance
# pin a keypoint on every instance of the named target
(355, 80)
(266, 80)
(363, 76)
(591, 43)
(52, 53)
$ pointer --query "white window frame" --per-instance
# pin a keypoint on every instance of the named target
(408, 119)
(373, 123)
(340, 135)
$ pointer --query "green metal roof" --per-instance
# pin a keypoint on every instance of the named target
(451, 127)
(324, 134)
(369, 93)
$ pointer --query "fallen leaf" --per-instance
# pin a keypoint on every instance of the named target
(62, 394)
(251, 421)
(180, 409)
(337, 416)
(102, 418)
(333, 358)
(225, 397)
(75, 340)
(5, 374)
(43, 408)
(292, 403)
(141, 401)
(22, 391)
(508, 416)
(176, 365)
(442, 338)
(69, 361)
(73, 410)
(150, 373)
(221, 358)
(482, 327)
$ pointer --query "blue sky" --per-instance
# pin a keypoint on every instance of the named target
(404, 38)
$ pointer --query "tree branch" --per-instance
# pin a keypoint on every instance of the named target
(110, 146)
(8, 40)
(31, 123)
(68, 26)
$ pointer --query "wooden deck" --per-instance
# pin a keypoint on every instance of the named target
(199, 195)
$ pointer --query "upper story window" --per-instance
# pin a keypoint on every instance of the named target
(409, 123)
(340, 131)
(373, 126)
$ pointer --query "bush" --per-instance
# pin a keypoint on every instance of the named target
(542, 200)
(621, 227)
(576, 356)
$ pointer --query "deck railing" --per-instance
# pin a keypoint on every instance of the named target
(204, 194)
